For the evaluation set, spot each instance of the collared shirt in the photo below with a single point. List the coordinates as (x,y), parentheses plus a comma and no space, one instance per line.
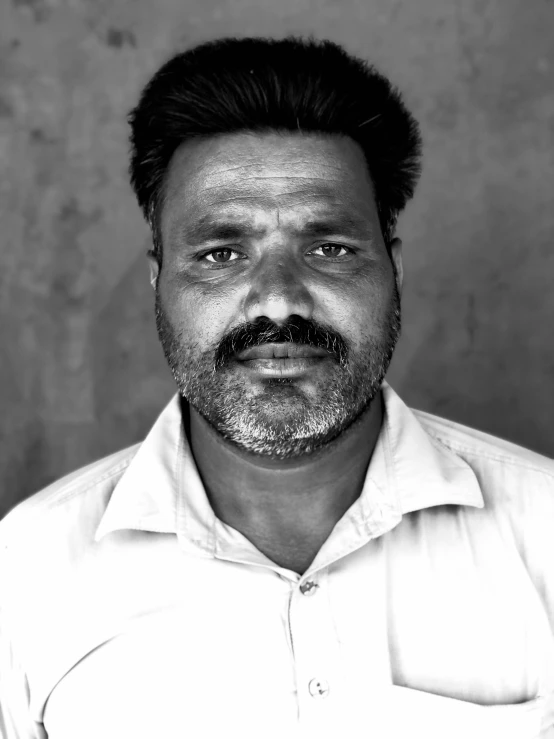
(129,611)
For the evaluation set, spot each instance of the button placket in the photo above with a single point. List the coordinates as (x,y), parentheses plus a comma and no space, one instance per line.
(316,650)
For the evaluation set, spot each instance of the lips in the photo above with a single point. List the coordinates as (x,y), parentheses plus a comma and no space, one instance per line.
(281,351)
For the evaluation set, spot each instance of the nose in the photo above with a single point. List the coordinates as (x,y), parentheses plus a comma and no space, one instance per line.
(277,291)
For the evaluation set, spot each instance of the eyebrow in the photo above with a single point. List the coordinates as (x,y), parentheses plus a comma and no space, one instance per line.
(209,228)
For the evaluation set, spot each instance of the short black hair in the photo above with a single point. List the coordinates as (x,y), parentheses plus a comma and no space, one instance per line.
(261,84)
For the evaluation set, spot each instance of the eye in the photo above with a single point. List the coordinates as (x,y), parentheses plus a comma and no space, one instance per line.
(332,256)
(217,253)
(222,255)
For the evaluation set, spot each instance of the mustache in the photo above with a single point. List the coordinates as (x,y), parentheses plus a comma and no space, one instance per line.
(296,330)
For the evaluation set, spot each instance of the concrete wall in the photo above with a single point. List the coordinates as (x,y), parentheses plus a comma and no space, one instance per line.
(81,371)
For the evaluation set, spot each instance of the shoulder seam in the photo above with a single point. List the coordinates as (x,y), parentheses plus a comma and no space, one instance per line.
(70,493)
(454,447)
(73,487)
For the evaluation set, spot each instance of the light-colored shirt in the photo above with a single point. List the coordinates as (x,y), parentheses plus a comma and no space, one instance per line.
(129,611)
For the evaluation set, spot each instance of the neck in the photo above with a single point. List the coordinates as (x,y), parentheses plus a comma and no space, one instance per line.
(286,508)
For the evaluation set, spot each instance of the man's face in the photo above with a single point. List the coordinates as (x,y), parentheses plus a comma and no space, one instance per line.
(275,238)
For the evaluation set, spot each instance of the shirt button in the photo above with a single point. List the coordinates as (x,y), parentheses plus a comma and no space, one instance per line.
(318,688)
(309,587)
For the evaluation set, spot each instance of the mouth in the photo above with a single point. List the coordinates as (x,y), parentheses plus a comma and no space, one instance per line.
(284,366)
(285,350)
(282,359)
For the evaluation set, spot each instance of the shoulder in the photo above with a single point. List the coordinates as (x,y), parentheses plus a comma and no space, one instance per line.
(516,483)
(74,504)
(518,489)
(485,450)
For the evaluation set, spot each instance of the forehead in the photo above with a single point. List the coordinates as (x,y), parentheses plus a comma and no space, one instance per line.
(256,174)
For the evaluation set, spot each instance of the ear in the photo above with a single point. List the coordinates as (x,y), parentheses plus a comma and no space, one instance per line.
(396,256)
(154,268)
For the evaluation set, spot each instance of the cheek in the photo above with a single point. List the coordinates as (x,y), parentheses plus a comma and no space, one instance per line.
(199,313)
(360,309)
(375,292)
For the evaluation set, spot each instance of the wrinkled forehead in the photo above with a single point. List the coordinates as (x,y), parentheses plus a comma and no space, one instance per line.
(268,172)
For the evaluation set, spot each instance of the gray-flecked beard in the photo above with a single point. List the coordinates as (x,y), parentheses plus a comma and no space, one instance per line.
(280,420)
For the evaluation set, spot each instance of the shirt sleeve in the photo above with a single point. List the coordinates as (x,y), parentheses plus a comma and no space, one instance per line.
(534,524)
(16,721)
(15,718)
(536,534)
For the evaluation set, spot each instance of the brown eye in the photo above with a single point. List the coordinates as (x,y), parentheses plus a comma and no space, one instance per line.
(218,255)
(332,250)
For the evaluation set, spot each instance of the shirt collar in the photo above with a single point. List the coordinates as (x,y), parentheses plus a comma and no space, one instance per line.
(415,466)
(161,489)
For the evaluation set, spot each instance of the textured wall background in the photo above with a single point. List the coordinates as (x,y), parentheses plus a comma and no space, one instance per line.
(81,371)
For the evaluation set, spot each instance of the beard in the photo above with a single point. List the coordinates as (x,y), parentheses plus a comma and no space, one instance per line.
(278,418)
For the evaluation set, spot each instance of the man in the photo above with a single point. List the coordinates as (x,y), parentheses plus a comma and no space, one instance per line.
(291,552)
